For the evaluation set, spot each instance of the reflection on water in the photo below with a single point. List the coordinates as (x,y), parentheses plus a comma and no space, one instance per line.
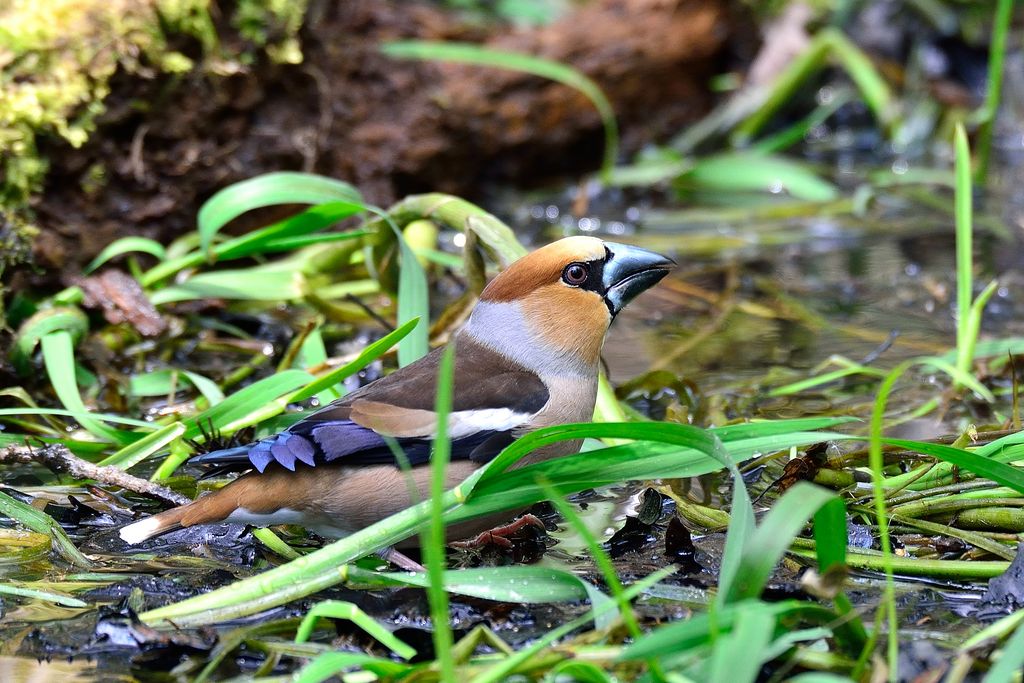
(798,304)
(21,670)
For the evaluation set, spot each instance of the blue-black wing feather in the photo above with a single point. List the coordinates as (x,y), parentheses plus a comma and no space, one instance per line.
(343,441)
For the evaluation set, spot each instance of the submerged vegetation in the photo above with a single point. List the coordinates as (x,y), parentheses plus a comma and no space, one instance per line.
(778,519)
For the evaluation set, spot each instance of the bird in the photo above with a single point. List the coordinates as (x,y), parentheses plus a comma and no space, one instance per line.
(529,356)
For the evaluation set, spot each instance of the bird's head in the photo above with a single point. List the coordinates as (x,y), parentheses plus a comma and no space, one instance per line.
(560,299)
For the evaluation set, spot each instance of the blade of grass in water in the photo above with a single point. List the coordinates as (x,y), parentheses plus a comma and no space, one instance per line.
(964,254)
(1011,661)
(262,283)
(523,584)
(827,43)
(468,53)
(48,596)
(337,609)
(371,353)
(328,665)
(42,523)
(877,463)
(79,415)
(749,171)
(502,670)
(244,402)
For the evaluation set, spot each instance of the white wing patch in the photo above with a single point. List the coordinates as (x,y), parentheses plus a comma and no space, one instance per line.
(467,422)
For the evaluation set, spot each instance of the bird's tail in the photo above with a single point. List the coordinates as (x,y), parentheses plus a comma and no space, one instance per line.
(162,523)
(245,492)
(226,459)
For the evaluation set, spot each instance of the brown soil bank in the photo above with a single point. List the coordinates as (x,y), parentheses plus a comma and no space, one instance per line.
(389,127)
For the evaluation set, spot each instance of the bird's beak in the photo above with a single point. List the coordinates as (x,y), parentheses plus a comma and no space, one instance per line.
(629,271)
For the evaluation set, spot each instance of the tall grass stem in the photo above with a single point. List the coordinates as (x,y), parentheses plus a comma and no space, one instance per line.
(964,248)
(994,87)
(433,539)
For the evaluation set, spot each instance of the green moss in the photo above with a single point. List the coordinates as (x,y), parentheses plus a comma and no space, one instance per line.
(15,240)
(57,58)
(273,24)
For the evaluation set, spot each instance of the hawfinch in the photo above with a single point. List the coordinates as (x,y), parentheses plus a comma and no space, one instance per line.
(528,357)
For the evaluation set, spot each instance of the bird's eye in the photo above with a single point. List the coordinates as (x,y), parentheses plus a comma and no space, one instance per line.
(575,274)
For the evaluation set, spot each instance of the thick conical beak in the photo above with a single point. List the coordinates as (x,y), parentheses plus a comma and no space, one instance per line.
(629,271)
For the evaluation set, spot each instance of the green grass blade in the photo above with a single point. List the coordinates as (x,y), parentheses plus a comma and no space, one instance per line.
(771,428)
(747,171)
(413,304)
(246,402)
(601,560)
(876,462)
(313,353)
(328,665)
(337,609)
(267,190)
(468,53)
(993,90)
(965,379)
(826,43)
(640,460)
(433,539)
(273,542)
(772,538)
(1005,475)
(1011,661)
(48,596)
(79,415)
(738,655)
(964,254)
(502,670)
(127,245)
(134,453)
(830,534)
(974,321)
(67,318)
(262,283)
(369,354)
(516,583)
(263,240)
(300,241)
(59,358)
(161,382)
(700,629)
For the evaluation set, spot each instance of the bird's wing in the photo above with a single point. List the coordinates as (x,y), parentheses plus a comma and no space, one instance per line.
(491,398)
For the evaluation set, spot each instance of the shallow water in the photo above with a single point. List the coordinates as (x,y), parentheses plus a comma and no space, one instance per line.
(752,307)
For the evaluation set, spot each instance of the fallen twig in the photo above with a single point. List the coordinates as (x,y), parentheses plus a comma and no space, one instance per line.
(60,460)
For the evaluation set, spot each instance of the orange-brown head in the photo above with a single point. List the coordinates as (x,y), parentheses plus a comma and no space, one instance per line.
(554,305)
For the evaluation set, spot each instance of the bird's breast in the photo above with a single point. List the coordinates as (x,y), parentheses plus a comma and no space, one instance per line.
(571,400)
